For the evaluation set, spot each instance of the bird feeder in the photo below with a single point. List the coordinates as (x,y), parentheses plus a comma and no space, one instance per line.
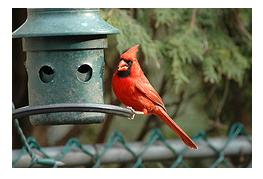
(65,61)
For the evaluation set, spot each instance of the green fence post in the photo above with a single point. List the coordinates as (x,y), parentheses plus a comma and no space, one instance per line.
(65,61)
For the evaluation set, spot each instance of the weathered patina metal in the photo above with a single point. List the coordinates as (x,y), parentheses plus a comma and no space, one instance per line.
(65,61)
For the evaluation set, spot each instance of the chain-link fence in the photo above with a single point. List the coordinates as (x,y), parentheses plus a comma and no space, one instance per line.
(235,150)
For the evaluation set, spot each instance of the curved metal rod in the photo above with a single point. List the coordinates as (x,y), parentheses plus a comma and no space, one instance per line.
(72,107)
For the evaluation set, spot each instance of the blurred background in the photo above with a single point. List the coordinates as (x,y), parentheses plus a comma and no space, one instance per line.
(199,60)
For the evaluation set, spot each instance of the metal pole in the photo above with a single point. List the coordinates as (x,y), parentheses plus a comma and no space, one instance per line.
(156,152)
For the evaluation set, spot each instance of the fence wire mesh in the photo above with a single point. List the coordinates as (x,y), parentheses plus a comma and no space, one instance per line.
(33,155)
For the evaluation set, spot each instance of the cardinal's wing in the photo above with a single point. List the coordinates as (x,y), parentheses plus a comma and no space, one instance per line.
(144,86)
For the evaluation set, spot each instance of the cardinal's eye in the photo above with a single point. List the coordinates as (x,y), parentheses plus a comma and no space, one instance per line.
(129,62)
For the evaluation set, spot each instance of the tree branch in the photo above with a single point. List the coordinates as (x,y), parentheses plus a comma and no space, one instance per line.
(240,24)
(222,102)
(181,99)
(193,19)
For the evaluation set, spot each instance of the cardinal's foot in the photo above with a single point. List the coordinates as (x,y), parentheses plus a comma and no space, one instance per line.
(134,112)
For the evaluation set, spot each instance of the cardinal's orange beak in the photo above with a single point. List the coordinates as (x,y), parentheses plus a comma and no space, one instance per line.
(123,66)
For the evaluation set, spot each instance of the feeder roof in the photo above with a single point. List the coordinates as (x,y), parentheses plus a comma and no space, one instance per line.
(63,22)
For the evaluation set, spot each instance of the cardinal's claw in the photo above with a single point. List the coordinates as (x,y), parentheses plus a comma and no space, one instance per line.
(134,112)
(132,117)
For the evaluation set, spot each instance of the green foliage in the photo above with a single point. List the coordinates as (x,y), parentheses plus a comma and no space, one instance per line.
(131,33)
(209,69)
(166,16)
(184,48)
(228,59)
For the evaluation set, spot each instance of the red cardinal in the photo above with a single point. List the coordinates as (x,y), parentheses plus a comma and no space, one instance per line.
(134,90)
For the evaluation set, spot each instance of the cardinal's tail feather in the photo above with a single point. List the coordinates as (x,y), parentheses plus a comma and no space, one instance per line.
(185,138)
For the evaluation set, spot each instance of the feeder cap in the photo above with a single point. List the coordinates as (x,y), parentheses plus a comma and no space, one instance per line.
(63,22)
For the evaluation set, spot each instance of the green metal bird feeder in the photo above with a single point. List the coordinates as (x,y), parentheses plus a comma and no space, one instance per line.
(65,61)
